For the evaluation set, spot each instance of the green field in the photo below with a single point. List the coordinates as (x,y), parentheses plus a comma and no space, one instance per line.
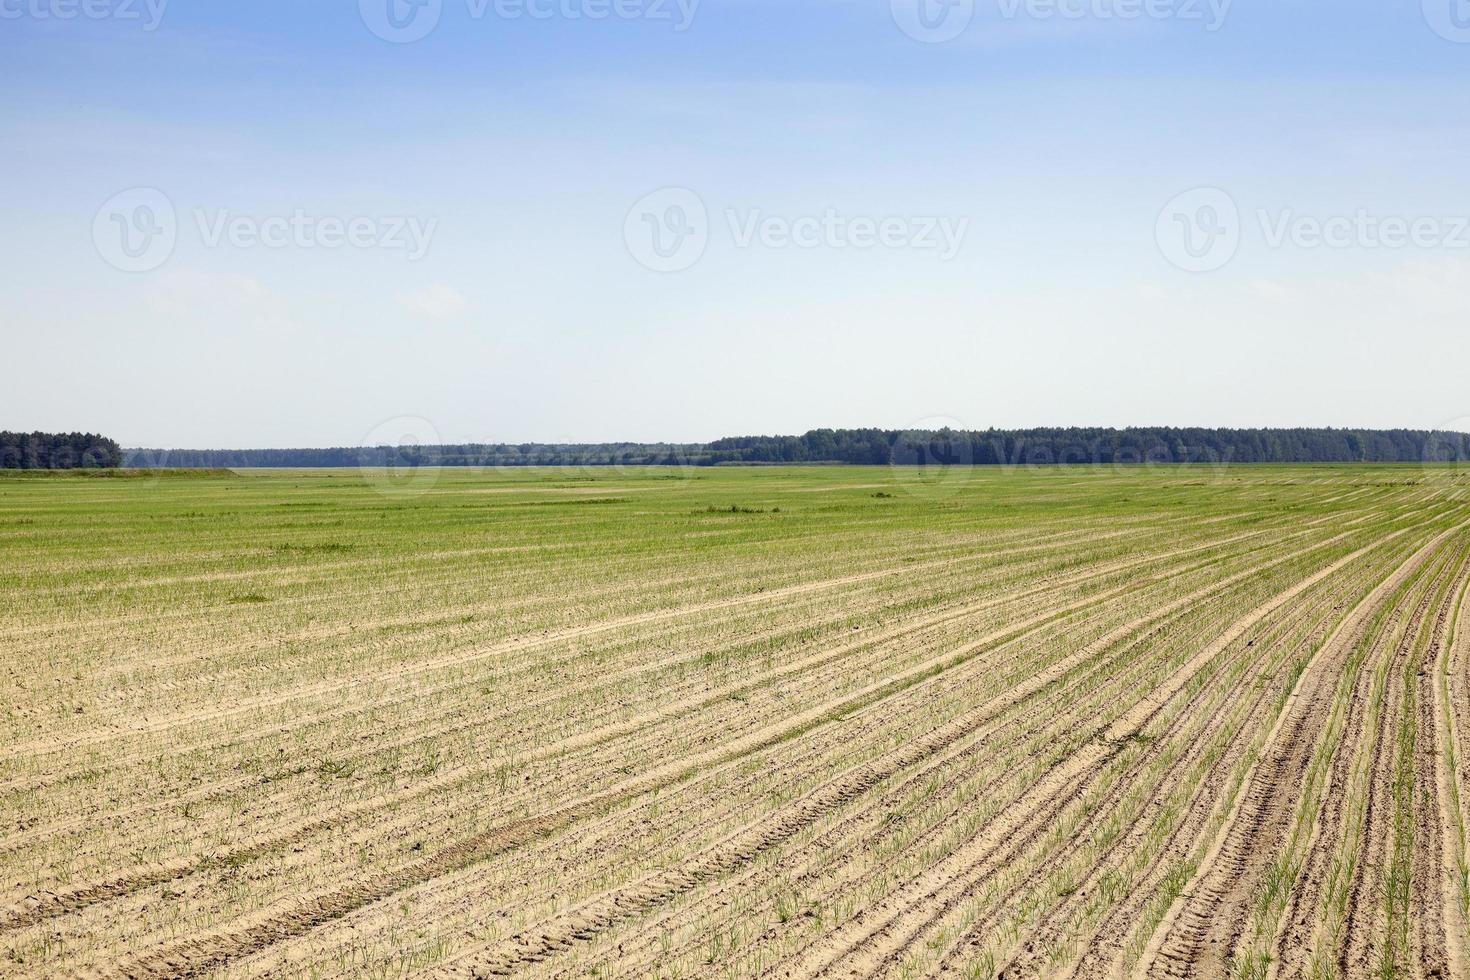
(735,722)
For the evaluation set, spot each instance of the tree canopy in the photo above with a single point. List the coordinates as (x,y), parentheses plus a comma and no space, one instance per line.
(57,451)
(990,447)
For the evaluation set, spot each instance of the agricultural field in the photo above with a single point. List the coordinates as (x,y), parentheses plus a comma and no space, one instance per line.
(784,722)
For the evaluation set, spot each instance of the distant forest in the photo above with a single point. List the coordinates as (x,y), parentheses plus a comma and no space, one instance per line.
(882,446)
(57,451)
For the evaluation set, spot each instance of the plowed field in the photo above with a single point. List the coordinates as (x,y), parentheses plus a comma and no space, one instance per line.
(835,722)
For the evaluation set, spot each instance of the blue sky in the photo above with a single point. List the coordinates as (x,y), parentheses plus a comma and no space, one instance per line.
(501,170)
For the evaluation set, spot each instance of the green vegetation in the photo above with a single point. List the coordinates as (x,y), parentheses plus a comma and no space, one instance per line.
(53,451)
(1089,721)
(877,447)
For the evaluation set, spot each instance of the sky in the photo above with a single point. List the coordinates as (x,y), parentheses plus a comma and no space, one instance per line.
(291,223)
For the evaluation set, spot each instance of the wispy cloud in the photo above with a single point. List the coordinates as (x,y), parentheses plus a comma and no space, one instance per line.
(184,293)
(438,302)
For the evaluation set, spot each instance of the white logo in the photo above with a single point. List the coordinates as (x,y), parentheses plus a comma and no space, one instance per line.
(401,21)
(933,21)
(934,458)
(944,236)
(1199,231)
(300,229)
(401,457)
(122,10)
(136,230)
(668,230)
(1450,19)
(1447,455)
(148,465)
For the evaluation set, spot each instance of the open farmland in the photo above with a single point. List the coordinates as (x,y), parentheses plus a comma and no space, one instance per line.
(737,722)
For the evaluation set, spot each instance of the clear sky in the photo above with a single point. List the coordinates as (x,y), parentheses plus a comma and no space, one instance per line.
(288,222)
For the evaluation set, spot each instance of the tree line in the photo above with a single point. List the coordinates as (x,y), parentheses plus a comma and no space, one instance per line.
(943,447)
(58,451)
(1043,446)
(524,454)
